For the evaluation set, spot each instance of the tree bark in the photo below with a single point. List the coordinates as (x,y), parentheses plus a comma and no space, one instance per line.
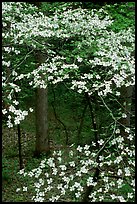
(42,139)
(41,108)
(125,100)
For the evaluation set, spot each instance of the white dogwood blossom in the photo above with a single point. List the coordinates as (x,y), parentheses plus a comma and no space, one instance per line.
(102,63)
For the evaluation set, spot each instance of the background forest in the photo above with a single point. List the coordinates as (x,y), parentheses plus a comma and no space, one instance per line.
(68,102)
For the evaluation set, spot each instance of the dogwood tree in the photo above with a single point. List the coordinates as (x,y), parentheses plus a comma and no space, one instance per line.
(100,65)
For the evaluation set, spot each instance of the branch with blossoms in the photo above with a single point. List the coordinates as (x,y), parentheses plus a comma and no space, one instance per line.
(100,62)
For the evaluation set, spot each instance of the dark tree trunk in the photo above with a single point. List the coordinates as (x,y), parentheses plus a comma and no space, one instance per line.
(20,147)
(126,101)
(42,139)
(89,189)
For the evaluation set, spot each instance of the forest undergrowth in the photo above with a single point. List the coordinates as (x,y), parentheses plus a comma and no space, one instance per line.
(59,130)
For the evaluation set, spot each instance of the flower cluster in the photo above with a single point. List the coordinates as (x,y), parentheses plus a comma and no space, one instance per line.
(113,50)
(68,177)
(109,64)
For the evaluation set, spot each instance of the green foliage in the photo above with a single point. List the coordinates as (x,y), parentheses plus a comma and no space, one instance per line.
(68,105)
(123,14)
(8,170)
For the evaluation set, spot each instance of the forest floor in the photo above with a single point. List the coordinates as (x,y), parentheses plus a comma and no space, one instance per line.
(10,162)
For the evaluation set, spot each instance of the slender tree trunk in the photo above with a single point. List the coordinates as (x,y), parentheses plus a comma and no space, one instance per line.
(20,149)
(126,101)
(42,139)
(89,189)
(93,118)
(79,139)
(19,139)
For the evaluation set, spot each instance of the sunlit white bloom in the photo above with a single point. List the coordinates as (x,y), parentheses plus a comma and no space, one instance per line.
(54,198)
(79,90)
(60,186)
(119,182)
(79,148)
(49,181)
(93,144)
(97,76)
(46,174)
(49,188)
(37,185)
(71,153)
(120,139)
(50,78)
(130,195)
(66,179)
(72,188)
(4,111)
(121,199)
(127,129)
(133,182)
(101,142)
(38,172)
(76,184)
(38,199)
(72,163)
(50,162)
(78,194)
(99,190)
(127,171)
(63,191)
(124,115)
(62,173)
(78,173)
(113,196)
(101,198)
(21,171)
(31,109)
(90,181)
(101,158)
(71,176)
(93,154)
(112,183)
(18,189)
(130,137)
(80,188)
(15,102)
(105,179)
(86,147)
(12,108)
(63,167)
(119,172)
(41,181)
(118,160)
(59,159)
(59,153)
(87,153)
(117,131)
(55,171)
(25,188)
(92,195)
(79,59)
(84,169)
(117,93)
